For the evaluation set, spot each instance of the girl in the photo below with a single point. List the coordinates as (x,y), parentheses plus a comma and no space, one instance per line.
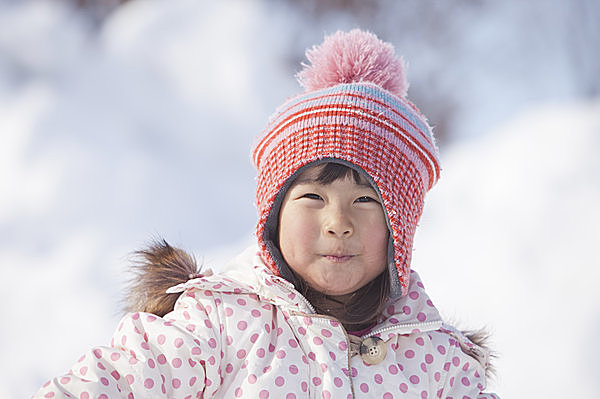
(326,305)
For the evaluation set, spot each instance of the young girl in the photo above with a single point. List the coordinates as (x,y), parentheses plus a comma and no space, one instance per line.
(326,305)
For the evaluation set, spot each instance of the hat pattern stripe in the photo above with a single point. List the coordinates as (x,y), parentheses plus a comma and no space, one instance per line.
(334,116)
(388,103)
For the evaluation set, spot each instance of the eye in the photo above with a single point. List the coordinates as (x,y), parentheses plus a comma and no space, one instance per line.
(311,196)
(365,198)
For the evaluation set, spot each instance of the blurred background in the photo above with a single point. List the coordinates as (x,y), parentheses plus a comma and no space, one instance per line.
(124,121)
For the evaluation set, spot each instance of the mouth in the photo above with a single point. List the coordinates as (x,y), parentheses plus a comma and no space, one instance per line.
(338,258)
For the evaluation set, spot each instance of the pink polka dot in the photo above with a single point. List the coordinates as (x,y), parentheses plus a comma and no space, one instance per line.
(65,380)
(177,362)
(228,312)
(242,325)
(161,339)
(254,338)
(307,321)
(103,396)
(378,379)
(409,354)
(129,379)
(420,341)
(465,381)
(178,342)
(49,395)
(290,396)
(196,350)
(279,381)
(337,381)
(424,367)
(403,388)
(252,378)
(207,323)
(326,394)
(115,374)
(176,383)
(437,376)
(301,331)
(161,359)
(255,312)
(413,295)
(241,302)
(238,392)
(148,383)
(151,363)
(212,343)
(326,333)
(456,361)
(84,395)
(271,348)
(342,345)
(318,341)
(241,354)
(316,381)
(260,352)
(280,354)
(192,381)
(312,356)
(441,349)
(293,369)
(424,395)
(388,395)
(414,379)
(421,316)
(429,358)
(293,343)
(264,394)
(406,310)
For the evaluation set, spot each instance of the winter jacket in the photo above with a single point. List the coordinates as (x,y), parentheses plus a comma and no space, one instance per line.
(248,333)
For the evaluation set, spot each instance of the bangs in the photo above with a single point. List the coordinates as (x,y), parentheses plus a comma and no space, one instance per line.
(331,172)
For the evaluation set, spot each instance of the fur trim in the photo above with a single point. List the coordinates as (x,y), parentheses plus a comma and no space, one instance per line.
(155,269)
(482,338)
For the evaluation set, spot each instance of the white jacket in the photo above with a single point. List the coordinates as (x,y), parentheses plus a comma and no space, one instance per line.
(248,333)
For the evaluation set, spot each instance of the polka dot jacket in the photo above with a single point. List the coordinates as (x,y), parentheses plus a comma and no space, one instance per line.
(247,333)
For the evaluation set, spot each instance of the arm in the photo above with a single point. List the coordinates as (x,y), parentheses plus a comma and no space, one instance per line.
(465,367)
(149,356)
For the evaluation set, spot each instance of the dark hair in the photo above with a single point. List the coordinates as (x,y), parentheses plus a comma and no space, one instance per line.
(362,307)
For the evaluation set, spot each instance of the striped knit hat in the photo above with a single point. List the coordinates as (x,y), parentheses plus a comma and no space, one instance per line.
(354,111)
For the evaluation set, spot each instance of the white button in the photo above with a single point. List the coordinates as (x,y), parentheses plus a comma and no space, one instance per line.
(372,350)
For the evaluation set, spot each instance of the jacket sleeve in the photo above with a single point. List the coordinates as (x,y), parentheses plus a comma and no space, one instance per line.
(150,357)
(465,366)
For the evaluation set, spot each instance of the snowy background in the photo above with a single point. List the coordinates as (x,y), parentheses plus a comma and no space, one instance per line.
(122,124)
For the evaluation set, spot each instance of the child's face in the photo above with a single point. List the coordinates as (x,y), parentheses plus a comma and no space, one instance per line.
(334,236)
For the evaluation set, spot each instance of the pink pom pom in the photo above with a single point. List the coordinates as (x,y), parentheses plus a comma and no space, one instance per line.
(351,57)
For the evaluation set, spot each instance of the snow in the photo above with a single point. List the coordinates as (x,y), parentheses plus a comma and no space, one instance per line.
(143,128)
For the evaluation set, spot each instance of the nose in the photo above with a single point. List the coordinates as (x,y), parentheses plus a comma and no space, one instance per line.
(337,223)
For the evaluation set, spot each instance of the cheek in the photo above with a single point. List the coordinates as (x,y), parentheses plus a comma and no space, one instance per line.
(296,232)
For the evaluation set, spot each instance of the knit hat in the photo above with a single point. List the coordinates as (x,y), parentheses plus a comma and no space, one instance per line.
(353,111)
